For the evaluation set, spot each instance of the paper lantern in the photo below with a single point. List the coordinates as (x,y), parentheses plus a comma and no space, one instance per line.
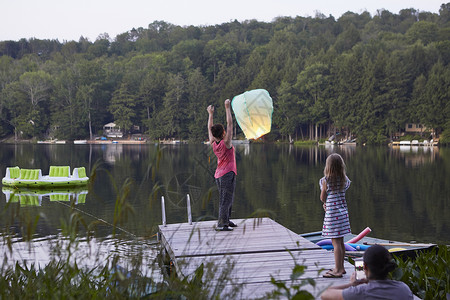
(253,111)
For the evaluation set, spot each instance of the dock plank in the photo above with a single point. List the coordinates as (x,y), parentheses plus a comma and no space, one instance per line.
(249,236)
(249,256)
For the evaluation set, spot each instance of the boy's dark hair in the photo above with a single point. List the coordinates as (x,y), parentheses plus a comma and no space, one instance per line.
(379,262)
(217,131)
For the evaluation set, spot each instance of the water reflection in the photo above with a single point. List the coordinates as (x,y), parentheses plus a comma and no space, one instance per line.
(415,156)
(397,203)
(88,253)
(112,152)
(243,149)
(33,197)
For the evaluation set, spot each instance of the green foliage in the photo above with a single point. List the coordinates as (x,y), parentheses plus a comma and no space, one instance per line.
(122,107)
(445,137)
(363,76)
(305,142)
(295,288)
(427,274)
(409,137)
(59,279)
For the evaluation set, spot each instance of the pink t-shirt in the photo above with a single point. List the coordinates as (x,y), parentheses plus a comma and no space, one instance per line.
(226,160)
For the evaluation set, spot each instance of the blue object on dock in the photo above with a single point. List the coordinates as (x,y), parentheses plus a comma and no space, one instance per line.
(359,247)
(347,247)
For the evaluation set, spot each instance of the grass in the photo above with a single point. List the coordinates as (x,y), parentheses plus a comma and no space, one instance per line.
(305,142)
(79,266)
(427,275)
(294,289)
(413,137)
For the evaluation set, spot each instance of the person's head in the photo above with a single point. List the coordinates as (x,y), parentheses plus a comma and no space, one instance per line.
(218,131)
(378,262)
(335,169)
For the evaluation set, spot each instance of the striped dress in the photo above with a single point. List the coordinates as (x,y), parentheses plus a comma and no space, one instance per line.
(336,222)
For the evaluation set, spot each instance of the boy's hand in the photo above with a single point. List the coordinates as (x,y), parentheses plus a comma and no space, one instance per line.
(354,281)
(227,103)
(210,109)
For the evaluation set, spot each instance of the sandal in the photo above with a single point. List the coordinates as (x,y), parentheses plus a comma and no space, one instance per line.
(331,270)
(331,275)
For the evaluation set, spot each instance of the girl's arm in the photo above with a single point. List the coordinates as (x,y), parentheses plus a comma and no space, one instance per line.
(323,192)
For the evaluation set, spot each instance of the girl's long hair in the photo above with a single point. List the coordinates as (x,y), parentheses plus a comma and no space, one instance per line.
(334,171)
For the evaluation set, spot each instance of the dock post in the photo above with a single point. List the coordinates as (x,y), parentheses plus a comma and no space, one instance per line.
(163,207)
(188,199)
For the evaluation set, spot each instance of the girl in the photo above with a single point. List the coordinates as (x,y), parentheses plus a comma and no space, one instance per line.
(335,223)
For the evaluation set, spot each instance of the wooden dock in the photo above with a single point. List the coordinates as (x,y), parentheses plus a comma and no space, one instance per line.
(247,257)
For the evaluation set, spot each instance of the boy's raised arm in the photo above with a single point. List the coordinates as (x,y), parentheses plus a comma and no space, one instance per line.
(210,110)
(229,134)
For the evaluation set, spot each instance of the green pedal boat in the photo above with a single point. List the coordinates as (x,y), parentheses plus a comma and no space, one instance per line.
(59,176)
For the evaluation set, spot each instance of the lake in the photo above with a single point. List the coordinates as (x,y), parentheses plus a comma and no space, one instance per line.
(401,194)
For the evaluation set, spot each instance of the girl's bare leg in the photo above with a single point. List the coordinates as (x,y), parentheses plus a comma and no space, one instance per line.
(339,252)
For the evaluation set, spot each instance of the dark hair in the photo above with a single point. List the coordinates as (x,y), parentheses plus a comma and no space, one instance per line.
(379,262)
(217,131)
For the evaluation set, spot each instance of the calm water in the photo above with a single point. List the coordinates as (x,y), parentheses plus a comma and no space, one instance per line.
(401,194)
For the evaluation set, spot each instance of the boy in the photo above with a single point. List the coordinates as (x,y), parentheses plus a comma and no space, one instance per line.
(225,175)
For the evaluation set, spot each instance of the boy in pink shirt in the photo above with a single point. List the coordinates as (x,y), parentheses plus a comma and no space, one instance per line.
(225,176)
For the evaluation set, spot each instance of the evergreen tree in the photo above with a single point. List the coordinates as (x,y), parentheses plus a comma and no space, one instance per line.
(122,108)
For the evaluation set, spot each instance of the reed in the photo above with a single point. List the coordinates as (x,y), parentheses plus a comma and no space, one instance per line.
(427,274)
(83,267)
(296,287)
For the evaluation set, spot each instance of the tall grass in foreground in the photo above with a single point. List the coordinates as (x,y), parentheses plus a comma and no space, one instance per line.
(74,264)
(295,288)
(77,265)
(428,274)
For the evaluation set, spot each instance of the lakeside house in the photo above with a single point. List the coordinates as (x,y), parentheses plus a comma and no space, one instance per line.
(111,130)
(413,128)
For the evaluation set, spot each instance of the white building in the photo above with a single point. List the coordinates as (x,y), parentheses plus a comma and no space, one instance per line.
(112,130)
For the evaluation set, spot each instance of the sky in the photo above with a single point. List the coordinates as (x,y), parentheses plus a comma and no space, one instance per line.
(68,20)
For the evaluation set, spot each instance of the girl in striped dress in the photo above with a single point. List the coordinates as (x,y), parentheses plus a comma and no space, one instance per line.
(335,223)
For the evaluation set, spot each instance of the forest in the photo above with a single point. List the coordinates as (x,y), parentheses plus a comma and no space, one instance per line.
(361,76)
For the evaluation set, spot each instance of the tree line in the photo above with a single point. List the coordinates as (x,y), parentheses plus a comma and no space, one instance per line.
(360,75)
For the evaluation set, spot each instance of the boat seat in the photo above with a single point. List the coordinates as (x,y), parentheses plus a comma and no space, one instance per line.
(79,172)
(30,174)
(81,198)
(12,173)
(60,197)
(59,171)
(13,198)
(30,200)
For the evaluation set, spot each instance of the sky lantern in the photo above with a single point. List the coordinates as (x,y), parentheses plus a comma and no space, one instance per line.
(253,111)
